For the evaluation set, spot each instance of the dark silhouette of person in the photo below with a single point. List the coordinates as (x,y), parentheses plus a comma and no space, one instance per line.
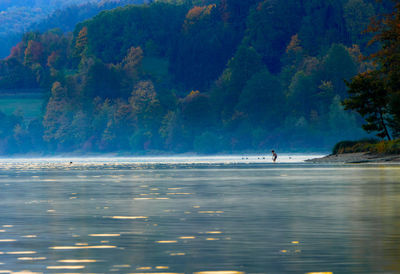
(274,156)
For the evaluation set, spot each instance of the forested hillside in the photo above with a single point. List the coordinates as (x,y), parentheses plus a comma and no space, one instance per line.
(19,16)
(203,76)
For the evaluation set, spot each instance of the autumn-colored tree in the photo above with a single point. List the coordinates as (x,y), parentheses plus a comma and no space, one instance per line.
(81,41)
(379,87)
(33,53)
(56,120)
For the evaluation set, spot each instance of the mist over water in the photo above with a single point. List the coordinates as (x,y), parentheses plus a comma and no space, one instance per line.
(192,214)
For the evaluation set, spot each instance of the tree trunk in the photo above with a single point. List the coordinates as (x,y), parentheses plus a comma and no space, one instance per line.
(384,126)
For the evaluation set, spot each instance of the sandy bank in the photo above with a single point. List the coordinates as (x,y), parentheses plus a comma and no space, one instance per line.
(361,157)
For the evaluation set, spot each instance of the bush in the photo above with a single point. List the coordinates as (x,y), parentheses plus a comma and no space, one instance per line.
(365,145)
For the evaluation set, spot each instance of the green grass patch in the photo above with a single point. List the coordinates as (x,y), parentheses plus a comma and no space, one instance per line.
(29,107)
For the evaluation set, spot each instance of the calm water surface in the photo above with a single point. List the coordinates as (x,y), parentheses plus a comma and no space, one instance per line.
(186,215)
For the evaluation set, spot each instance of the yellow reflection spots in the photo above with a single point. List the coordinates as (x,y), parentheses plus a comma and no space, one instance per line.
(26,272)
(31,258)
(104,242)
(72,198)
(129,217)
(51,210)
(82,247)
(66,267)
(297,251)
(7,240)
(196,206)
(187,237)
(219,272)
(166,242)
(178,254)
(76,261)
(29,236)
(122,266)
(21,252)
(156,273)
(2,230)
(284,251)
(49,180)
(8,226)
(154,189)
(144,268)
(319,273)
(210,212)
(80,244)
(295,242)
(5,271)
(214,232)
(104,235)
(162,267)
(212,239)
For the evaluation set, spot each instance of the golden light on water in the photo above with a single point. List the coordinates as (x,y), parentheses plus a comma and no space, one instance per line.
(32,258)
(319,273)
(187,237)
(166,242)
(162,267)
(156,273)
(219,272)
(7,240)
(144,268)
(82,247)
(104,235)
(66,267)
(21,252)
(129,217)
(122,266)
(213,232)
(29,236)
(76,261)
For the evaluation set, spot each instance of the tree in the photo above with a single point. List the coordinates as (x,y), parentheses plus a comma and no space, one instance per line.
(376,94)
(369,97)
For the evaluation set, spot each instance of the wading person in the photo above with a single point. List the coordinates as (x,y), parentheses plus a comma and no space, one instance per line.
(274,156)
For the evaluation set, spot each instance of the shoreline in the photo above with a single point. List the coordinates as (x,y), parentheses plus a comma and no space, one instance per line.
(357,158)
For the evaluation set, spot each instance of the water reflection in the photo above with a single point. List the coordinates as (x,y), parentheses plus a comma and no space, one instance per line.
(122,217)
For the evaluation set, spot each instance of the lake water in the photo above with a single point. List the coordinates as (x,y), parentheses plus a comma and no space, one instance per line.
(186,215)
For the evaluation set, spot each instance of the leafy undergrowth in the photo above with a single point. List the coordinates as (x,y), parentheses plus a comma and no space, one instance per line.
(368,145)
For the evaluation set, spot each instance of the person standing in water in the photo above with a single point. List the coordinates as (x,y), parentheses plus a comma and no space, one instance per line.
(274,156)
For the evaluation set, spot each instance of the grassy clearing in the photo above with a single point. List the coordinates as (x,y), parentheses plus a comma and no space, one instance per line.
(29,107)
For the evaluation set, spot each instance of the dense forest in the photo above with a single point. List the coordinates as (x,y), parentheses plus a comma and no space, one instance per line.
(19,16)
(193,76)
